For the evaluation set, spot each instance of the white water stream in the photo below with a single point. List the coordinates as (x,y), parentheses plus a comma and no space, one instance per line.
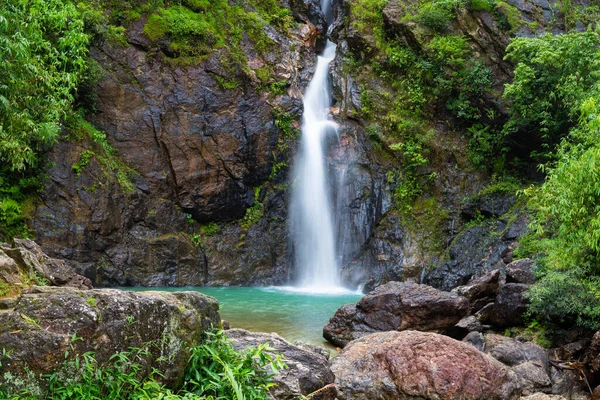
(315,252)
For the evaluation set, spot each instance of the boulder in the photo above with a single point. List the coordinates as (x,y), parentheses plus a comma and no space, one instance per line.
(49,323)
(28,257)
(512,352)
(480,291)
(593,353)
(307,371)
(509,307)
(9,270)
(464,327)
(476,340)
(313,348)
(568,383)
(520,271)
(543,396)
(396,306)
(528,360)
(420,365)
(533,378)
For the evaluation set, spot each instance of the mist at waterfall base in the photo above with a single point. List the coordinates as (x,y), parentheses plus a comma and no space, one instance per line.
(294,316)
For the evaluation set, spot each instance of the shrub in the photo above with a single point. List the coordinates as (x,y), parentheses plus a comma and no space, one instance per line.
(553,75)
(215,370)
(566,227)
(435,15)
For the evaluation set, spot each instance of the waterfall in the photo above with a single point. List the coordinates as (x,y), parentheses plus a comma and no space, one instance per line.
(312,223)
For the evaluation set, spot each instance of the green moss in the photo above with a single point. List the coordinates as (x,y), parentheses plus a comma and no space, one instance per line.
(482,5)
(209,229)
(92,301)
(84,159)
(507,16)
(253,215)
(505,185)
(111,164)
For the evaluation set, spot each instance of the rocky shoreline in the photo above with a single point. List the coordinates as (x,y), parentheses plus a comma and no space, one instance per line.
(403,340)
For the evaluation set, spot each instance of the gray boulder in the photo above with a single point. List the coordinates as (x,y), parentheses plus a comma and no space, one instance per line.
(396,306)
(520,271)
(528,360)
(509,307)
(28,258)
(307,371)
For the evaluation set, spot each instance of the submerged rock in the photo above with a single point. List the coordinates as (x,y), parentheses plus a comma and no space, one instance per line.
(49,323)
(420,365)
(396,306)
(307,371)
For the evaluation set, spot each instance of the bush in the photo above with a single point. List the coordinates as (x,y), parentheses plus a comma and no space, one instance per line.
(566,227)
(42,59)
(43,51)
(215,370)
(553,75)
(436,15)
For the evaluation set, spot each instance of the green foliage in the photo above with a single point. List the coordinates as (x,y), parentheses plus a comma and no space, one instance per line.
(553,75)
(111,164)
(482,5)
(12,222)
(285,122)
(215,370)
(566,226)
(84,160)
(449,49)
(507,16)
(504,184)
(253,215)
(197,28)
(435,15)
(42,59)
(43,51)
(209,229)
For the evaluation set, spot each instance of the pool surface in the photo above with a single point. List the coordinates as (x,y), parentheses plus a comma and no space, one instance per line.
(293,314)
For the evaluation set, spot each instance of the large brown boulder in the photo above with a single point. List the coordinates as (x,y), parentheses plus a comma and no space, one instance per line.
(47,323)
(307,371)
(420,365)
(37,265)
(396,306)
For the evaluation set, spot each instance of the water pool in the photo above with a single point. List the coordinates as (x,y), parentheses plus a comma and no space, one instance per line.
(292,314)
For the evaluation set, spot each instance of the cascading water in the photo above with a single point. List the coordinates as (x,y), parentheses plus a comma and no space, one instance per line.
(312,223)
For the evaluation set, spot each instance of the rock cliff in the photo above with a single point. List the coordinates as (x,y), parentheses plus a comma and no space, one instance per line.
(207,149)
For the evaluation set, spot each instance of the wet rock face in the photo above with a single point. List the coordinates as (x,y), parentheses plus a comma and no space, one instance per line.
(420,365)
(40,328)
(307,371)
(396,306)
(199,150)
(476,251)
